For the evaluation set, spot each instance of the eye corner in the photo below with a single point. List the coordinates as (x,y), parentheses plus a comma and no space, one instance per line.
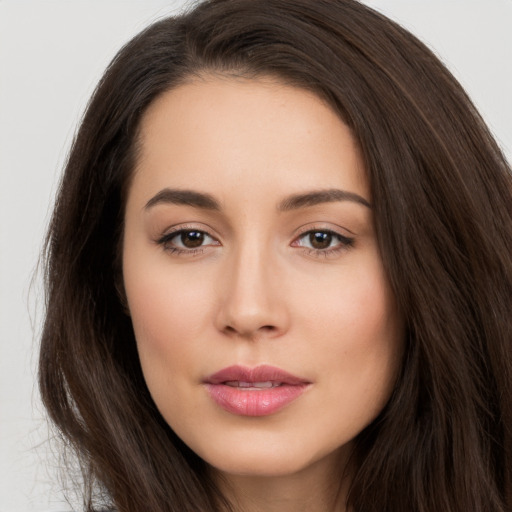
(318,242)
(186,240)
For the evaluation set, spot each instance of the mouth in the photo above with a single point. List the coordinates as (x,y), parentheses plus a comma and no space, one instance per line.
(258,391)
(252,385)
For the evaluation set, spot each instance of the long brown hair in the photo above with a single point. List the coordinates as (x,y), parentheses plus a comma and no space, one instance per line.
(442,199)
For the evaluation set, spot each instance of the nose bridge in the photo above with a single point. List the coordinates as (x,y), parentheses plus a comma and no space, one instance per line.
(251,265)
(251,303)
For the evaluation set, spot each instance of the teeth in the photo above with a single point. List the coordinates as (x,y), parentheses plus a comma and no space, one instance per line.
(259,385)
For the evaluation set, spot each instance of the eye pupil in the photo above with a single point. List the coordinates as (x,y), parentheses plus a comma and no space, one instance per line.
(191,239)
(320,240)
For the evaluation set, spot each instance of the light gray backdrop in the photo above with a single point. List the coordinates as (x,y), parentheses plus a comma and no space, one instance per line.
(52,52)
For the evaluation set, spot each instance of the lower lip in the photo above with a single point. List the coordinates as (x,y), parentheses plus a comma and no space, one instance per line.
(254,402)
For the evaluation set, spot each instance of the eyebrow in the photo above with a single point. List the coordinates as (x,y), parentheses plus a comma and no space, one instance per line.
(294,202)
(316,197)
(184,197)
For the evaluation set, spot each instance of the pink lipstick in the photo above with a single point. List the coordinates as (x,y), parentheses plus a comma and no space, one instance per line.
(258,391)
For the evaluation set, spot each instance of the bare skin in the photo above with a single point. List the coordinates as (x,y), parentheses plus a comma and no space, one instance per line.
(316,489)
(249,241)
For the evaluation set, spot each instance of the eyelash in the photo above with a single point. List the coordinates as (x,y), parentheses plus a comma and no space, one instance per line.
(166,239)
(345,242)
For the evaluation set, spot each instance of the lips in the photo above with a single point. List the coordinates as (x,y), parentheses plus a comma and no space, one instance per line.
(258,391)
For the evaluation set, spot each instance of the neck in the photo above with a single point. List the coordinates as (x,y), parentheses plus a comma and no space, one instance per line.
(317,488)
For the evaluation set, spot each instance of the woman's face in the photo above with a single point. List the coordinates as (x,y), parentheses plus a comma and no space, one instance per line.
(266,328)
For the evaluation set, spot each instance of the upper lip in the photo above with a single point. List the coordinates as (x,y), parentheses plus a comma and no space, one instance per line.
(262,373)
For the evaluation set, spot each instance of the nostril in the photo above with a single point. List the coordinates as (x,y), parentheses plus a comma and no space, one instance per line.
(230,330)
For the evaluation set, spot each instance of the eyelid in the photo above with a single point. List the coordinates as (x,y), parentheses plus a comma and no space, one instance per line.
(189,226)
(174,231)
(345,242)
(345,239)
(321,226)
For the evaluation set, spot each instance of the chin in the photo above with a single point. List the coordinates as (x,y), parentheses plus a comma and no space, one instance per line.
(261,467)
(268,460)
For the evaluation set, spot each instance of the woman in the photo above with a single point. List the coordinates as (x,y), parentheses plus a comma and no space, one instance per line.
(279,272)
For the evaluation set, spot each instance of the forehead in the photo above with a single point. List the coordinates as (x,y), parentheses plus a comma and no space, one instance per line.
(227,135)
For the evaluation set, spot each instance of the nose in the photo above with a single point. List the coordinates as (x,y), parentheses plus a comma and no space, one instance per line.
(252,301)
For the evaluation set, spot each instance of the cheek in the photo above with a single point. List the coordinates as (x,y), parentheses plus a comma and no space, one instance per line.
(168,314)
(358,334)
(356,309)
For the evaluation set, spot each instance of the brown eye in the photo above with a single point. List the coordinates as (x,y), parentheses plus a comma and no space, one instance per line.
(320,239)
(192,239)
(186,240)
(323,241)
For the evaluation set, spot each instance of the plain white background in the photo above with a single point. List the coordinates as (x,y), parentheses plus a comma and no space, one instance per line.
(52,53)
